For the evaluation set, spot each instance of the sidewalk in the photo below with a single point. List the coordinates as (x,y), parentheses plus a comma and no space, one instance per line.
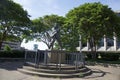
(8,71)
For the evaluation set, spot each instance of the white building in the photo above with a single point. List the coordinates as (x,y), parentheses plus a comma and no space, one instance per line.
(12,45)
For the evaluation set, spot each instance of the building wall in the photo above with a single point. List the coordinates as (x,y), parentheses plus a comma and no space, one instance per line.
(13,45)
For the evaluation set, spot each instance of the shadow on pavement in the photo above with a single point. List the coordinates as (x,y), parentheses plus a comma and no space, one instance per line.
(97,73)
(11,65)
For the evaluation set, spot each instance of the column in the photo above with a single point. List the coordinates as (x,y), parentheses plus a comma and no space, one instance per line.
(96,47)
(115,42)
(36,57)
(45,57)
(76,63)
(88,45)
(105,43)
(26,54)
(80,44)
(59,61)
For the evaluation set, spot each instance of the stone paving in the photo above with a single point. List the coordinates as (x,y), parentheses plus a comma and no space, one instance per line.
(8,71)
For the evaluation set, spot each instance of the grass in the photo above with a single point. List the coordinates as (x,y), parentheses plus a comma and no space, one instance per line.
(81,75)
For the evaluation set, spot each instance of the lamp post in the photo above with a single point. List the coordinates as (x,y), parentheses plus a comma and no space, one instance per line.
(36,54)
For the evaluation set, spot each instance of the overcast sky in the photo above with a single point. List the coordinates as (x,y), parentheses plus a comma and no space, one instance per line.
(39,8)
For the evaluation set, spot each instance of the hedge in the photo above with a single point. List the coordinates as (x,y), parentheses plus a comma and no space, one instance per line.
(104,56)
(110,56)
(12,54)
(89,55)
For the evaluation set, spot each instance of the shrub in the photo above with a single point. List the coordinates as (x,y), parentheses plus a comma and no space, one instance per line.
(7,48)
(90,55)
(110,56)
(103,56)
(12,54)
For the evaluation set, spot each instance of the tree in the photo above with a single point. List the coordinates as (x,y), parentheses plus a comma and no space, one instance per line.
(43,28)
(93,20)
(69,36)
(14,21)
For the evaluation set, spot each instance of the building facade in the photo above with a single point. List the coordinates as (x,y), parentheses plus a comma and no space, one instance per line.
(12,45)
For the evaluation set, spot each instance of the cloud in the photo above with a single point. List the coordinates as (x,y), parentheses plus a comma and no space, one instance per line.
(24,3)
(38,8)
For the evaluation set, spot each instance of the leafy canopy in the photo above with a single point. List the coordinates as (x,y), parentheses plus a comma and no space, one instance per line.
(42,28)
(14,21)
(92,21)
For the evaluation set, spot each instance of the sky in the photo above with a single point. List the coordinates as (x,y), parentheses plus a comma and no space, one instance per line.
(39,8)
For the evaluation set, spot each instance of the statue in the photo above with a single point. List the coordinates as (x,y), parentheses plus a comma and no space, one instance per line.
(56,36)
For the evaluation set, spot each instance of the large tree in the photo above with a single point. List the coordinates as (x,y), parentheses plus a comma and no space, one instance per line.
(69,36)
(43,28)
(92,21)
(14,21)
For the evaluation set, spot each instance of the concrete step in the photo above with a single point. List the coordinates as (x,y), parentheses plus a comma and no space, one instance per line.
(53,67)
(57,71)
(81,74)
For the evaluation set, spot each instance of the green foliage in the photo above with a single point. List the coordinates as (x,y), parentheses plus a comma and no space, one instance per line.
(46,23)
(7,48)
(110,56)
(42,27)
(88,55)
(92,21)
(38,25)
(81,75)
(103,56)
(14,21)
(70,37)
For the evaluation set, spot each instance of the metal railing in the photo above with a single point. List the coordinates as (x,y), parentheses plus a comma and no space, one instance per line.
(55,58)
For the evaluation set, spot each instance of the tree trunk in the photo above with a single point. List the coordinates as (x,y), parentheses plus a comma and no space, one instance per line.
(0,45)
(94,51)
(92,47)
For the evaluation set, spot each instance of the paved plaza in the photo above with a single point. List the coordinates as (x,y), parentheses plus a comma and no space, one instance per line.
(8,71)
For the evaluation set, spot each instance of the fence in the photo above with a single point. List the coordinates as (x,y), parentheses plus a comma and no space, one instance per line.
(55,58)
